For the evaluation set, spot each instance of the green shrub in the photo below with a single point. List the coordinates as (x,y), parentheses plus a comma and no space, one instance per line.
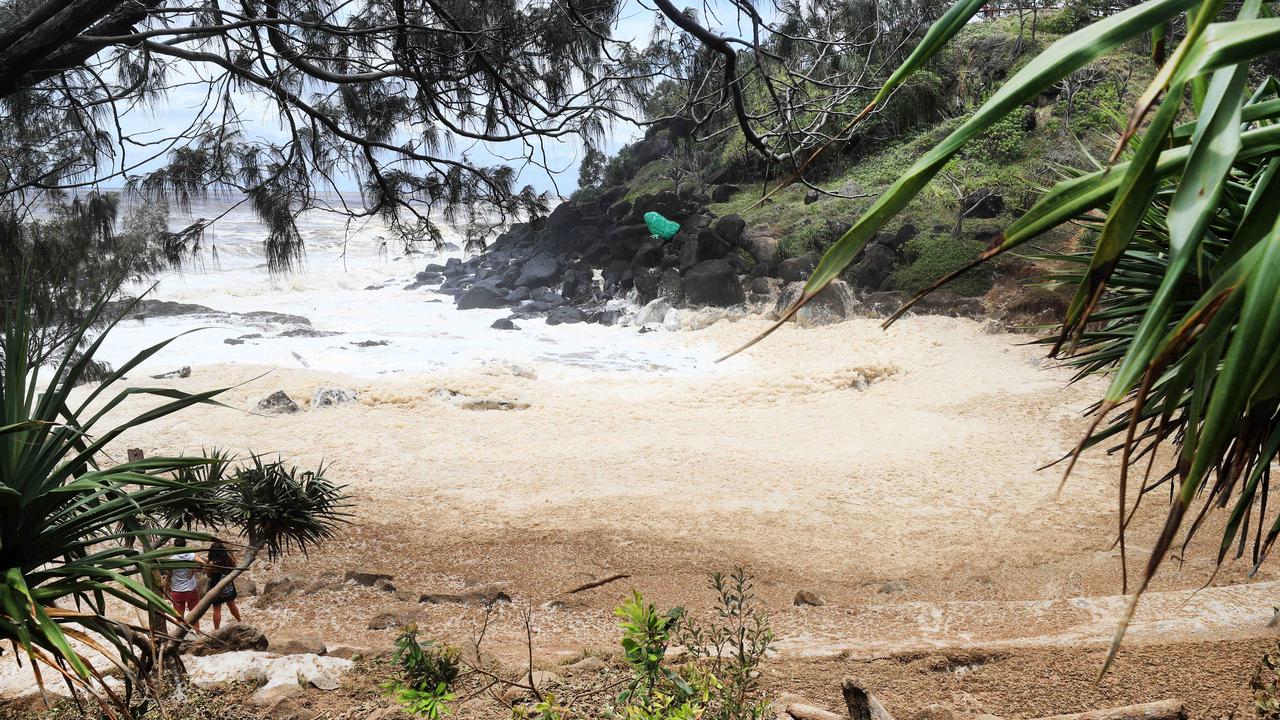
(426,673)
(936,255)
(731,647)
(803,239)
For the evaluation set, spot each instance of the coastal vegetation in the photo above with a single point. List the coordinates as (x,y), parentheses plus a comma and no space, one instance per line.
(839,158)
(83,533)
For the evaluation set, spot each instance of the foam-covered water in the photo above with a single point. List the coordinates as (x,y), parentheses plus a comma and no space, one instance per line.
(351,288)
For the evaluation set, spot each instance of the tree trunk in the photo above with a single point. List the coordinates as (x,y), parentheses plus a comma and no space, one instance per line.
(861,703)
(206,602)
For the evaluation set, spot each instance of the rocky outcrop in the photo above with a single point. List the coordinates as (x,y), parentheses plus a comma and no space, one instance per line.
(836,303)
(595,261)
(332,397)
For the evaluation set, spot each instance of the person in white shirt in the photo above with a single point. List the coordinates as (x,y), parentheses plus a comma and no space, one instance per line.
(183,590)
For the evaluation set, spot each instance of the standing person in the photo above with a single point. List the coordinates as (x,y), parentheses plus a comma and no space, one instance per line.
(182,582)
(221,562)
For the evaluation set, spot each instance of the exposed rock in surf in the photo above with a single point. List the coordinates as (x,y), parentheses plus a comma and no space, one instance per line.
(713,282)
(332,397)
(836,303)
(371,343)
(182,372)
(565,315)
(278,402)
(504,324)
(307,332)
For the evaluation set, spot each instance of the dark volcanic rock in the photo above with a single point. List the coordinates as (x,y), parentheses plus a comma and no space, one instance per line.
(566,315)
(872,272)
(542,269)
(649,255)
(278,402)
(480,296)
(578,282)
(836,303)
(712,282)
(646,281)
(504,324)
(983,203)
(712,246)
(731,227)
(619,210)
(798,268)
(721,193)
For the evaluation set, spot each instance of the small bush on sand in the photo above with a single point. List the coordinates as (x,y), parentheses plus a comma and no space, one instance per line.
(426,672)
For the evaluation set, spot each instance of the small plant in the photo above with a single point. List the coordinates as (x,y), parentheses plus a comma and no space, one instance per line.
(656,692)
(731,647)
(1266,686)
(427,672)
(545,708)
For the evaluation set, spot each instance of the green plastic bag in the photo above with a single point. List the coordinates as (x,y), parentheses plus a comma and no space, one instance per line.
(660,226)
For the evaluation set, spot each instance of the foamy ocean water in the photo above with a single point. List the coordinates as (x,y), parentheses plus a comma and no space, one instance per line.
(360,331)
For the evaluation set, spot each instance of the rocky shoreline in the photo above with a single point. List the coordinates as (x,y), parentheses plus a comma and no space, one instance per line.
(597,262)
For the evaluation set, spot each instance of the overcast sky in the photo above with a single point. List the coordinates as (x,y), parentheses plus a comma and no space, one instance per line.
(635,25)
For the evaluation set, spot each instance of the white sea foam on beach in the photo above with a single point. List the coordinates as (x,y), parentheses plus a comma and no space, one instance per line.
(402,330)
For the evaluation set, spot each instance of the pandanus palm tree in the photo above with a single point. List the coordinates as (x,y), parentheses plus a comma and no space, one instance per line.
(78,529)
(1179,300)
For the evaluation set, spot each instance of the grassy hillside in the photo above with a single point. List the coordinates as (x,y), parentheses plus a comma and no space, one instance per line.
(1062,130)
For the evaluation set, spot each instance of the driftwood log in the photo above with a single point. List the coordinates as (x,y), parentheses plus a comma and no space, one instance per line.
(1158,710)
(801,711)
(861,703)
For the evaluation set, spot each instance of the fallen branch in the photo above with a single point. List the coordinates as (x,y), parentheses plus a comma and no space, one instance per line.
(1158,710)
(598,583)
(801,711)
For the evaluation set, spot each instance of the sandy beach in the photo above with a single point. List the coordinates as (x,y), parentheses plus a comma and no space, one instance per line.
(874,468)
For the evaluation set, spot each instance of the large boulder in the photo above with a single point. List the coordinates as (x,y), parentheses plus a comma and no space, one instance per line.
(722,193)
(731,227)
(873,270)
(760,244)
(983,203)
(836,303)
(797,269)
(646,282)
(653,312)
(481,297)
(649,255)
(332,397)
(712,282)
(566,315)
(627,239)
(712,246)
(228,638)
(541,269)
(578,281)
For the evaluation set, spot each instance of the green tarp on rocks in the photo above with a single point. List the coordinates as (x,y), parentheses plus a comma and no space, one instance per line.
(660,226)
